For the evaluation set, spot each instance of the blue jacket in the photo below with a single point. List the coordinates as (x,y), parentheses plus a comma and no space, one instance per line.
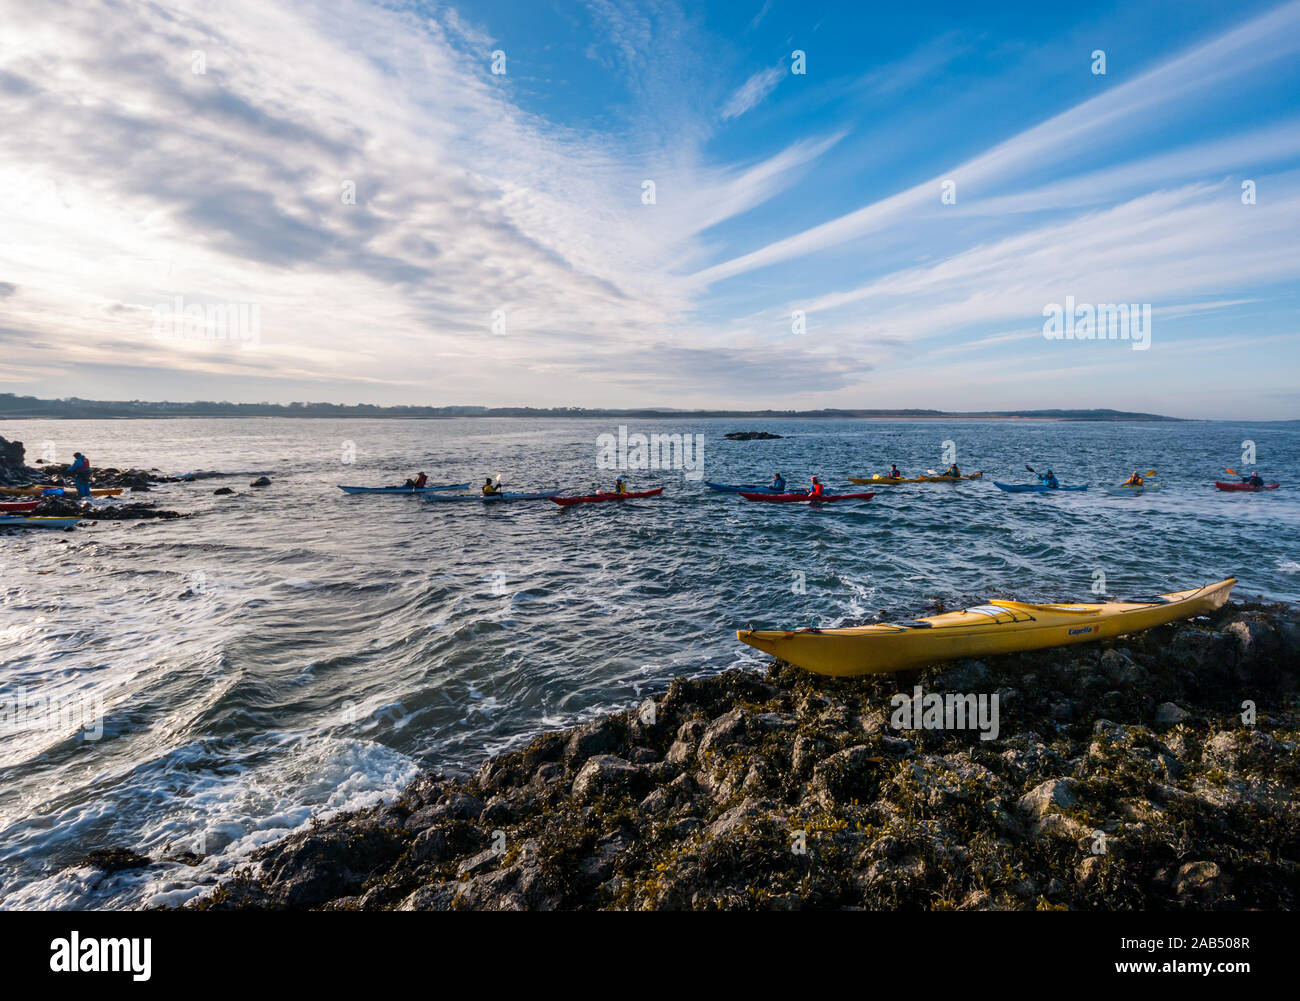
(80,469)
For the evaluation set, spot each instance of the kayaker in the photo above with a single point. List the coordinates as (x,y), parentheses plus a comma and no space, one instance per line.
(490,488)
(816,490)
(778,483)
(1253,480)
(80,472)
(952,470)
(620,486)
(1049,480)
(893,473)
(1135,480)
(417,483)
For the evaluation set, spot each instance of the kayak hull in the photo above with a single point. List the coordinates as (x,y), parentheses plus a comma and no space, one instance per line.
(598,498)
(18,507)
(18,521)
(1121,490)
(41,491)
(729,488)
(996,628)
(949,479)
(805,498)
(1246,487)
(1034,488)
(403,490)
(492,498)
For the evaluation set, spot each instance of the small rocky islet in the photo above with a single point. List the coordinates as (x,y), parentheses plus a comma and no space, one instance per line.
(1125,775)
(14,472)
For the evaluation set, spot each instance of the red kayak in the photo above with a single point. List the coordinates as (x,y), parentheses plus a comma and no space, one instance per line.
(597,498)
(18,507)
(796,498)
(1246,486)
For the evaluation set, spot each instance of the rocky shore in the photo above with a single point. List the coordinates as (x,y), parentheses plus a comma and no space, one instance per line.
(1158,771)
(14,471)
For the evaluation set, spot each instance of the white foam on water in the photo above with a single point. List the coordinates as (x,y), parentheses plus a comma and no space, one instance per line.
(220,803)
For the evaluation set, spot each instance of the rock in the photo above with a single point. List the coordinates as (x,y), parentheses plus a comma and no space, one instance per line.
(606,774)
(723,732)
(1203,883)
(965,676)
(261,481)
(222,491)
(688,739)
(751,436)
(459,806)
(483,860)
(430,845)
(736,818)
(846,775)
(114,859)
(603,736)
(1054,793)
(1167,714)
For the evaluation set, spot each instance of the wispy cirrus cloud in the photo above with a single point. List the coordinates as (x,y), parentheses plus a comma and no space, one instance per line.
(753,91)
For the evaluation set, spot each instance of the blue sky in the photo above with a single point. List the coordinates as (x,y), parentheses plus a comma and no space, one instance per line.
(500,247)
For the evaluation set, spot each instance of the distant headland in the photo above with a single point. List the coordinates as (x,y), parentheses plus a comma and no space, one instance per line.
(19,407)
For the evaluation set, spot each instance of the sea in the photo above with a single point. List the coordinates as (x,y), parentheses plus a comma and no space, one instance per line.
(209,684)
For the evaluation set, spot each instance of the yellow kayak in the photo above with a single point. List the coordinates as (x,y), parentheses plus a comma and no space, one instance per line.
(66,491)
(998,627)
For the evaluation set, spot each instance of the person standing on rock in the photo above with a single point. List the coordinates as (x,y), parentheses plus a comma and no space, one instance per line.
(80,472)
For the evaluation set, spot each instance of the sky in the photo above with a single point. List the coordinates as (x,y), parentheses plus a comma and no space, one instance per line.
(759,204)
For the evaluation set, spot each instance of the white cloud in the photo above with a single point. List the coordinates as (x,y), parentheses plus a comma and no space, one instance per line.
(752,91)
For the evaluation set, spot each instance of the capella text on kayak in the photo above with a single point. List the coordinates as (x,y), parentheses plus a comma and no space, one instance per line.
(655,451)
(1107,321)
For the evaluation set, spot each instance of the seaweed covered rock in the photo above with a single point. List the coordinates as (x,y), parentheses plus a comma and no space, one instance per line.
(1158,771)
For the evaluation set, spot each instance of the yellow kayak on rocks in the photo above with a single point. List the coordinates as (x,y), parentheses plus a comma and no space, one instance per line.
(998,627)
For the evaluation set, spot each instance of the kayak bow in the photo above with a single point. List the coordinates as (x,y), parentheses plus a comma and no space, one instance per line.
(17,521)
(998,627)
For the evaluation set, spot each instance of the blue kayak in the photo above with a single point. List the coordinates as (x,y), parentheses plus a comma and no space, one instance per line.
(745,488)
(1033,488)
(503,496)
(403,490)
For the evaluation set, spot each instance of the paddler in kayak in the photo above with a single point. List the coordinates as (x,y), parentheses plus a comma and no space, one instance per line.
(893,473)
(620,486)
(816,490)
(80,472)
(1049,480)
(1253,480)
(490,489)
(417,483)
(1135,480)
(778,483)
(952,470)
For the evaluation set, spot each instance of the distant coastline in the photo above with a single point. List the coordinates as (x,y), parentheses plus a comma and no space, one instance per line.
(30,407)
